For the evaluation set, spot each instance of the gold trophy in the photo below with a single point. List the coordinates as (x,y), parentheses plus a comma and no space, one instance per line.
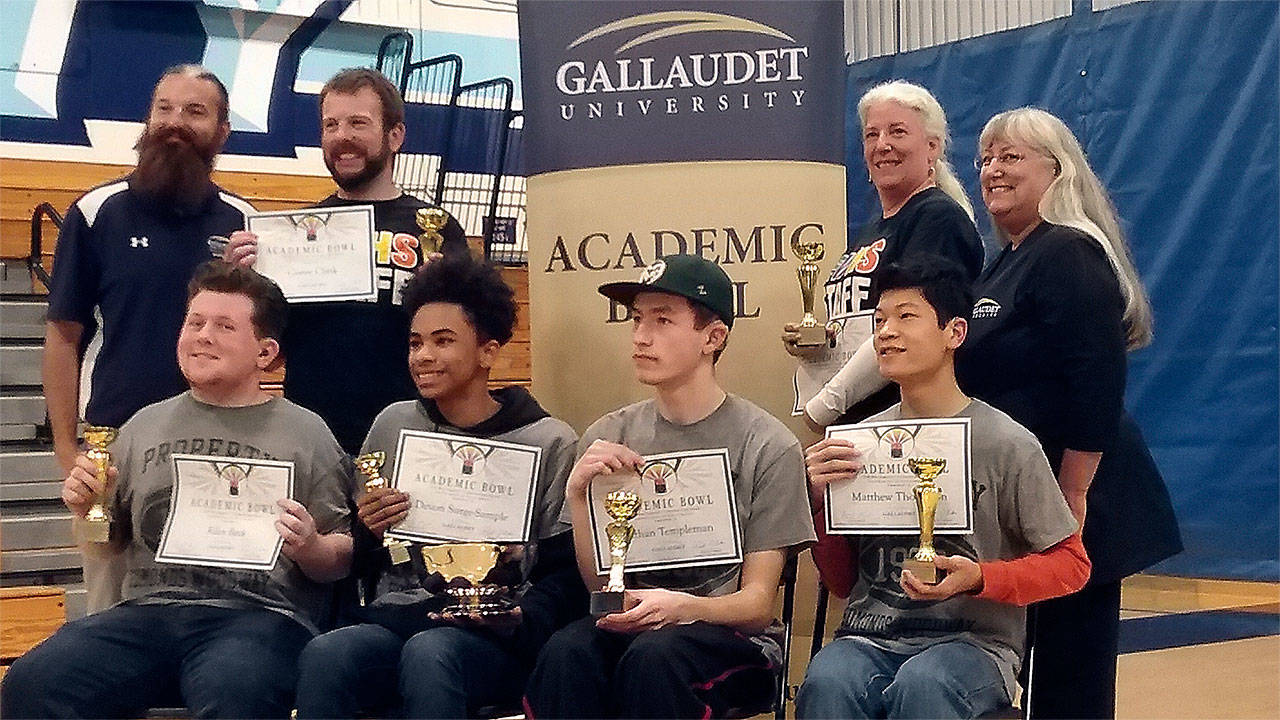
(927,496)
(811,333)
(97,522)
(472,563)
(622,506)
(371,465)
(431,220)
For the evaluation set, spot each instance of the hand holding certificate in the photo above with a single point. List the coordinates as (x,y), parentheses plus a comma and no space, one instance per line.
(223,512)
(881,499)
(687,513)
(318,255)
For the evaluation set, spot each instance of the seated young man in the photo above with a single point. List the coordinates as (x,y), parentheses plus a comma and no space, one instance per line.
(692,642)
(406,656)
(222,641)
(906,649)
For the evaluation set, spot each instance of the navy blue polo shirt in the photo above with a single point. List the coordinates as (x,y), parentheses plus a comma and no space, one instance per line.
(123,263)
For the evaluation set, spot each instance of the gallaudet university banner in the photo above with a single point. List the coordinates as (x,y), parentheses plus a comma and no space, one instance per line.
(713,128)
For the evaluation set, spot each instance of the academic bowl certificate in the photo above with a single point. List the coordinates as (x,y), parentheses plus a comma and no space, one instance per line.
(880,500)
(318,254)
(688,514)
(464,489)
(222,512)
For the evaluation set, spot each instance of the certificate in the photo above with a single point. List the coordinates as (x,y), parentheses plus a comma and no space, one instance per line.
(222,512)
(464,489)
(880,499)
(318,254)
(688,513)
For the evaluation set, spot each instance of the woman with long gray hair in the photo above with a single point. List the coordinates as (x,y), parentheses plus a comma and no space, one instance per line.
(924,209)
(1056,312)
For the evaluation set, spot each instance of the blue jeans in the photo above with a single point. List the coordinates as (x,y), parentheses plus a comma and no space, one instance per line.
(851,679)
(219,662)
(443,672)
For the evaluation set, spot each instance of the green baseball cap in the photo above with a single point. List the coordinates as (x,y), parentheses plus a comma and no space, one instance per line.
(688,276)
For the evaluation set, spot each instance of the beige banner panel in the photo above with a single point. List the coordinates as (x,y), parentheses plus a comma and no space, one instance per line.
(593,226)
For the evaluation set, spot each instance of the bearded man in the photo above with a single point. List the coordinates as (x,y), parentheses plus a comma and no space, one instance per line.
(346,360)
(124,256)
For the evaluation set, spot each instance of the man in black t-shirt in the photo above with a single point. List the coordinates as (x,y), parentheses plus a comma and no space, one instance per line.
(346,360)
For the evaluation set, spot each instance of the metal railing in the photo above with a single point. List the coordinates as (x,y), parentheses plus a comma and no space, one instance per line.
(461,150)
(35,258)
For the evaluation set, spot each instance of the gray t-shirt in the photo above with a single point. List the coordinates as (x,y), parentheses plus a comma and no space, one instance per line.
(274,430)
(767,466)
(1018,510)
(401,584)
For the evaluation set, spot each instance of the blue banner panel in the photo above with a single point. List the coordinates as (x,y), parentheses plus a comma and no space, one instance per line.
(1177,105)
(644,82)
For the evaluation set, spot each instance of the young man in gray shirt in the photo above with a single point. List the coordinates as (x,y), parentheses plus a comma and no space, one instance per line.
(405,657)
(906,649)
(692,642)
(220,640)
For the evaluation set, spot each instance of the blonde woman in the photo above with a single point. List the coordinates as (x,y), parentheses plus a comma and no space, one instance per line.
(1056,312)
(923,210)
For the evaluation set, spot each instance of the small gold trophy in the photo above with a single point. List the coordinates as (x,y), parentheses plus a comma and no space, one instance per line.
(371,465)
(97,525)
(622,506)
(432,220)
(927,496)
(811,333)
(471,562)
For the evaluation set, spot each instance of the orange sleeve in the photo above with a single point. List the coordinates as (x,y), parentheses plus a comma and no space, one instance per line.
(1059,570)
(833,554)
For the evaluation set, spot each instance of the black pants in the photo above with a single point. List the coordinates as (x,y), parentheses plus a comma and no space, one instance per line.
(1073,673)
(683,671)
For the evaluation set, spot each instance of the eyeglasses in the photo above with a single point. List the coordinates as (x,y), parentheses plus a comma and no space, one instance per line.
(1006,158)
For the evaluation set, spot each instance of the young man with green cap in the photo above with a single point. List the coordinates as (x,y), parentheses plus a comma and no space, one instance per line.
(692,642)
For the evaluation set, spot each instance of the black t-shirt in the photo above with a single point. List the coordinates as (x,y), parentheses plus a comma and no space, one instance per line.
(930,222)
(348,360)
(122,265)
(1046,343)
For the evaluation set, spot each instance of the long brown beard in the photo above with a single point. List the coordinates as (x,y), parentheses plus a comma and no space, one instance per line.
(173,172)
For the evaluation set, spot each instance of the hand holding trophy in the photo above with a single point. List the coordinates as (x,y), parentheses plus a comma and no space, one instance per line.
(810,333)
(927,496)
(466,566)
(97,526)
(622,506)
(371,465)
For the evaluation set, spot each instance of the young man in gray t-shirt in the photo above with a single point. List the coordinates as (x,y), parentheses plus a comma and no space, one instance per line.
(222,641)
(692,642)
(910,649)
(409,655)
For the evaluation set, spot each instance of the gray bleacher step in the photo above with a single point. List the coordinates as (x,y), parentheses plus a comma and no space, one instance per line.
(22,408)
(44,529)
(46,560)
(20,364)
(76,601)
(29,466)
(22,319)
(15,277)
(17,432)
(30,491)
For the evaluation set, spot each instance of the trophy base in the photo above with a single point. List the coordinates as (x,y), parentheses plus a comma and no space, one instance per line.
(399,551)
(811,336)
(95,531)
(604,602)
(478,600)
(925,572)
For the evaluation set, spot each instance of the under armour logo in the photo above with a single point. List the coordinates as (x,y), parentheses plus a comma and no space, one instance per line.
(136,241)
